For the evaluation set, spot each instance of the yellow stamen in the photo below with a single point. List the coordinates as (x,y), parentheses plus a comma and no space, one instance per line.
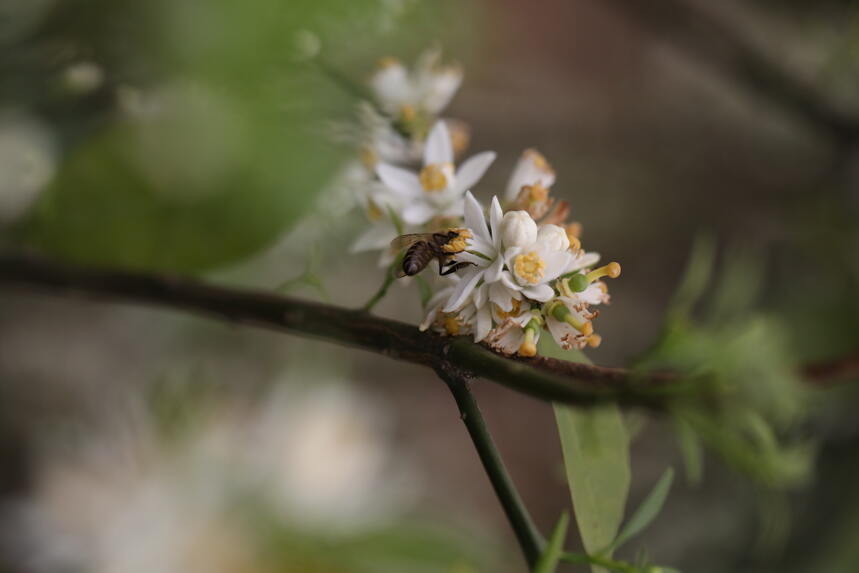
(611,270)
(514,311)
(583,326)
(408,113)
(528,348)
(374,212)
(458,244)
(433,178)
(594,340)
(460,136)
(537,193)
(388,62)
(369,158)
(539,160)
(451,324)
(529,267)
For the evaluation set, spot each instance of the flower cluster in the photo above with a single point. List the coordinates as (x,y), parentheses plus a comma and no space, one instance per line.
(510,272)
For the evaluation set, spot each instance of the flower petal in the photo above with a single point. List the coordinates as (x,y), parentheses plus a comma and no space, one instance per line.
(439,149)
(484,323)
(401,180)
(463,289)
(418,213)
(495,216)
(474,218)
(540,293)
(376,237)
(493,272)
(473,169)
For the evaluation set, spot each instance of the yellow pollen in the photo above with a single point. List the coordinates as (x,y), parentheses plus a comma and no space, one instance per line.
(528,348)
(408,113)
(574,229)
(529,267)
(539,160)
(451,324)
(611,270)
(575,243)
(432,177)
(537,193)
(459,136)
(514,311)
(369,158)
(583,326)
(388,62)
(374,212)
(458,244)
(594,340)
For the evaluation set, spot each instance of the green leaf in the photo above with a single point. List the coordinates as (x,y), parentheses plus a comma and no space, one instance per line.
(552,555)
(647,511)
(696,277)
(595,445)
(692,450)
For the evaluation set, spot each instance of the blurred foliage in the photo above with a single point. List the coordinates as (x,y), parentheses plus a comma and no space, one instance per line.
(748,402)
(206,137)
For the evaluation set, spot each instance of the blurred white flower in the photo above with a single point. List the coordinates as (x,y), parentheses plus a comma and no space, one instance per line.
(28,157)
(532,169)
(437,190)
(428,88)
(83,77)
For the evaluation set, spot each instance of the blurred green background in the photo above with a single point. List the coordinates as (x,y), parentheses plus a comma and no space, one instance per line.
(197,137)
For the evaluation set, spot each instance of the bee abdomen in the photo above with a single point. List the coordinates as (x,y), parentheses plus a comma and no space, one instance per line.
(417,258)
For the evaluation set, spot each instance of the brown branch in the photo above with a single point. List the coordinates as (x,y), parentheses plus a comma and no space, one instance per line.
(543,378)
(697,29)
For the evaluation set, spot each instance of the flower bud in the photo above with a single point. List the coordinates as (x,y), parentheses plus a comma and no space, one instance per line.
(518,229)
(553,237)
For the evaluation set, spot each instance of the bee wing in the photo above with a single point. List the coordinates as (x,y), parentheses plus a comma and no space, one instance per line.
(404,241)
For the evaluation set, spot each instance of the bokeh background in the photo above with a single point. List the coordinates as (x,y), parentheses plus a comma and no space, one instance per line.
(191,137)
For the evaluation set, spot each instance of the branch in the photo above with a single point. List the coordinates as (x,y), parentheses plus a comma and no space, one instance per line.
(544,378)
(530,541)
(697,29)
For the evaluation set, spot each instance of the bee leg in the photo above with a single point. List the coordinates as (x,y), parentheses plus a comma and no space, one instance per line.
(453,268)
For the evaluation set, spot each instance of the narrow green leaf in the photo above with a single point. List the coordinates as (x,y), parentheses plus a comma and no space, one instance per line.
(696,277)
(692,450)
(647,511)
(548,562)
(595,445)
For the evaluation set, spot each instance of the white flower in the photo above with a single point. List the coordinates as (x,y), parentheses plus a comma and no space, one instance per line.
(530,269)
(532,169)
(484,252)
(437,190)
(554,237)
(428,88)
(518,229)
(517,332)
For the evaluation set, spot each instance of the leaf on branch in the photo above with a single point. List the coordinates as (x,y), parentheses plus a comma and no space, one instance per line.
(646,512)
(595,445)
(550,558)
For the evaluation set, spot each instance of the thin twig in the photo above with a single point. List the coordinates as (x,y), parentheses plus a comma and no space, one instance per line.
(547,379)
(383,289)
(530,540)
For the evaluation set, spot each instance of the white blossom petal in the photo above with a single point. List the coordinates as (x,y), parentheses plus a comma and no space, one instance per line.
(474,218)
(473,169)
(461,291)
(400,180)
(484,323)
(495,216)
(541,293)
(376,237)
(417,213)
(493,272)
(438,149)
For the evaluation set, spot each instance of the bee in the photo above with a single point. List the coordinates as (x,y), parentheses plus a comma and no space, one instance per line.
(421,248)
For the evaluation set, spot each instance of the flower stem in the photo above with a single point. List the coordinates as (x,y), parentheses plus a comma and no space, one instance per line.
(383,289)
(530,541)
